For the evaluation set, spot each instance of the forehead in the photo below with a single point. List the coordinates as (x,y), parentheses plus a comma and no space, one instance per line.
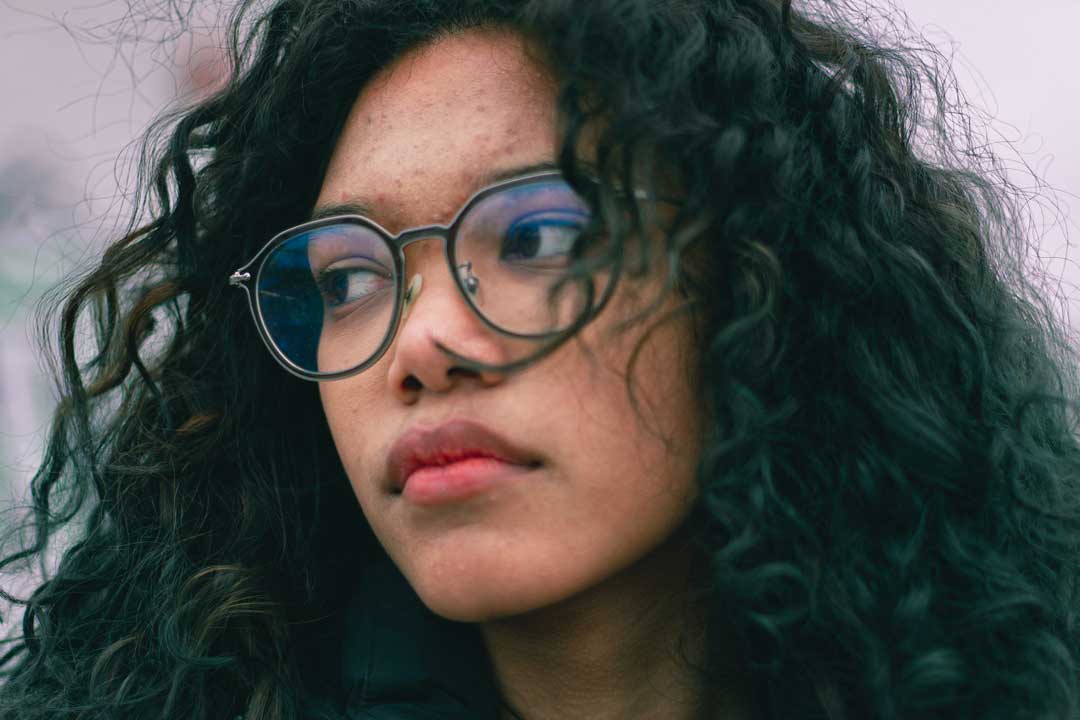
(429,125)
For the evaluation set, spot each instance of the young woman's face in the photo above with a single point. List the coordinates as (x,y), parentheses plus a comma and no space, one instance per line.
(599,488)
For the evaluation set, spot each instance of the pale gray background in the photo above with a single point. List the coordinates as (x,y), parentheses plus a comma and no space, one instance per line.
(79,79)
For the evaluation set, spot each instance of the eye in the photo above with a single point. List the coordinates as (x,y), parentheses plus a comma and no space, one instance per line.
(543,237)
(351,281)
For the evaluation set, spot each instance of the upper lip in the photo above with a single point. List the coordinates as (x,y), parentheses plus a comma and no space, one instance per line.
(447,443)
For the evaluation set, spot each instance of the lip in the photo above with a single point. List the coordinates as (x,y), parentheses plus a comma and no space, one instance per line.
(451,461)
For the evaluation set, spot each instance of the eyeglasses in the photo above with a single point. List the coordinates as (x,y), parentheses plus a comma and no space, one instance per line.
(327,296)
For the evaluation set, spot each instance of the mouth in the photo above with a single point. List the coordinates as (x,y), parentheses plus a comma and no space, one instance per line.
(452,461)
(461,479)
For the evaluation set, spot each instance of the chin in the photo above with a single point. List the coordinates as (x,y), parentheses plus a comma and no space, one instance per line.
(474,597)
(472,605)
(473,610)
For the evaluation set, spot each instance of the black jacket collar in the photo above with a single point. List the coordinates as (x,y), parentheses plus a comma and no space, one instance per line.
(400,661)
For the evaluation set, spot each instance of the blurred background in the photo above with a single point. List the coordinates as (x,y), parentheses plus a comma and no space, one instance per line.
(81,79)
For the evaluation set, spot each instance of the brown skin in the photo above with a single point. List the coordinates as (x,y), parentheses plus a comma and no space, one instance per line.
(573,574)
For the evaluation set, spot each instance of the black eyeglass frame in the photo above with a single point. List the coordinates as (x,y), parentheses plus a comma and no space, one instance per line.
(250,273)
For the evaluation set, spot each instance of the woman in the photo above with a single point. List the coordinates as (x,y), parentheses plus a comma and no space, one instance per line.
(618,359)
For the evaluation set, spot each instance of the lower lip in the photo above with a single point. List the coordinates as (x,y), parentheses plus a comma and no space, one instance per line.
(434,485)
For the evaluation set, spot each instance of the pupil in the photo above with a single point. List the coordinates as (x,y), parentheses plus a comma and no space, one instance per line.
(525,242)
(336,287)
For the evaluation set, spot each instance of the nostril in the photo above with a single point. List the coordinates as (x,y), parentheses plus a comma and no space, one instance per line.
(412,383)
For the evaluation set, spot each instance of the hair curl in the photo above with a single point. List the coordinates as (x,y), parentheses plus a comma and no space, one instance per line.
(889,500)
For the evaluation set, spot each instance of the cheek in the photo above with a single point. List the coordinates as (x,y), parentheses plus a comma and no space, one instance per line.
(335,406)
(344,344)
(654,369)
(652,401)
(349,406)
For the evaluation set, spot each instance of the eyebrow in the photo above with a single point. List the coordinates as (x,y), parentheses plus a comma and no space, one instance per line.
(362,206)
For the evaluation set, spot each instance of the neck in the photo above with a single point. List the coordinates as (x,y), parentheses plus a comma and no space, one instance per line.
(631,647)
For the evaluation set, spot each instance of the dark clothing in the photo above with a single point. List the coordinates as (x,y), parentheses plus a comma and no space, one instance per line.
(390,658)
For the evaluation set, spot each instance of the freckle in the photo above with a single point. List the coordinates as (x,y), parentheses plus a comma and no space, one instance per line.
(481,108)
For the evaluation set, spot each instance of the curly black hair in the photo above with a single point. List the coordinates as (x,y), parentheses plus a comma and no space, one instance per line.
(889,500)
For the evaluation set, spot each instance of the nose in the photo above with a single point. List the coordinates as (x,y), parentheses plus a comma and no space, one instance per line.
(437,314)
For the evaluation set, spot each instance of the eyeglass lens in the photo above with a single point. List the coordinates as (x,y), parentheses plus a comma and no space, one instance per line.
(327,295)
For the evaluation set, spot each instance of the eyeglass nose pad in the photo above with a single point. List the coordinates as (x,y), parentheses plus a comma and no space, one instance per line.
(471,281)
(413,291)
